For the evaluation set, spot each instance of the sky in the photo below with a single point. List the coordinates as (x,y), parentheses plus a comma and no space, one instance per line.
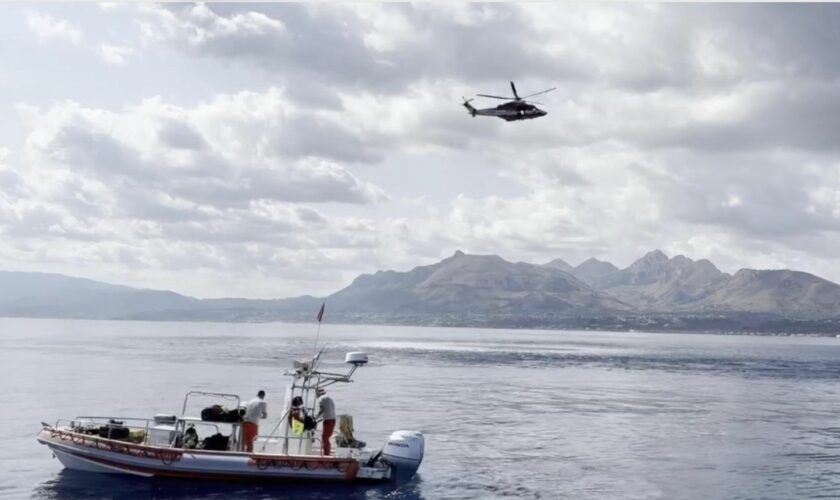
(274,150)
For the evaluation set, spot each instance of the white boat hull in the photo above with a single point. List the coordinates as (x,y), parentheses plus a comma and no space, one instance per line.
(94,454)
(74,462)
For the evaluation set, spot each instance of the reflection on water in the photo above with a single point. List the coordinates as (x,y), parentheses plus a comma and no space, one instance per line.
(73,485)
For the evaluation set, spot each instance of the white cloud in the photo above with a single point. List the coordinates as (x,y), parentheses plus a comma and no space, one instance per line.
(115,54)
(205,28)
(122,186)
(47,28)
(683,127)
(220,153)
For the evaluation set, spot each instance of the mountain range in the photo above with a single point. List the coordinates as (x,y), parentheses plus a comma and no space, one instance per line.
(655,293)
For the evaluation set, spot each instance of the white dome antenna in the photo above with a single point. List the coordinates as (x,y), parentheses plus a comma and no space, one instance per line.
(356,358)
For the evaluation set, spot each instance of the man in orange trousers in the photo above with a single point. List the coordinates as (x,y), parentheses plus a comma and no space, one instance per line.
(255,410)
(326,412)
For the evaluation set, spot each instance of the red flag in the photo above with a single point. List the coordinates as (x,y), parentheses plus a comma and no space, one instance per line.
(321,312)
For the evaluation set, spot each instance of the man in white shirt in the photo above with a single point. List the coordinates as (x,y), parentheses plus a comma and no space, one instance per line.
(254,411)
(326,412)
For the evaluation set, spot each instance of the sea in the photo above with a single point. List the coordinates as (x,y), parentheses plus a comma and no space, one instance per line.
(505,413)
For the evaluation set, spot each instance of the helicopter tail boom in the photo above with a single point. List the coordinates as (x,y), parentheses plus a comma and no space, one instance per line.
(469,106)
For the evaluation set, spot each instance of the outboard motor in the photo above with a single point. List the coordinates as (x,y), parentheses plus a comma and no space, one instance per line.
(404,452)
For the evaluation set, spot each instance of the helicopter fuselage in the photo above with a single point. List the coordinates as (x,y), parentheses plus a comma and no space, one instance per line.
(509,111)
(517,108)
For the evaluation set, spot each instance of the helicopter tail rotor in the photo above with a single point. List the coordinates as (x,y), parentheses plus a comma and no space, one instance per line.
(469,106)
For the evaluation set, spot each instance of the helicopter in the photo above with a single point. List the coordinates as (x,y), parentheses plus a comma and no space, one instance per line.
(516,109)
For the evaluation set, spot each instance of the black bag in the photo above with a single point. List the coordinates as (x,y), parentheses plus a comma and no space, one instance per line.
(213,413)
(113,431)
(309,423)
(216,442)
(233,416)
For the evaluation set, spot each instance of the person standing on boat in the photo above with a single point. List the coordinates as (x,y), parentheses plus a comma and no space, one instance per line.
(326,413)
(254,411)
(297,415)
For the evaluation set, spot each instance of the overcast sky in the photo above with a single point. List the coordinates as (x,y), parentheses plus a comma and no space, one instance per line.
(275,150)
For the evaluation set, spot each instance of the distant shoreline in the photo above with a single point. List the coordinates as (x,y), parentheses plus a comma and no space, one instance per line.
(797,328)
(654,294)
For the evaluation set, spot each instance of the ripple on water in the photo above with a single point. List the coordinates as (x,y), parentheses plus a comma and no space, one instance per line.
(505,413)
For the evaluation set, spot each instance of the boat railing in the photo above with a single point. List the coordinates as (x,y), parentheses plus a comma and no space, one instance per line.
(147,424)
(134,423)
(222,395)
(131,423)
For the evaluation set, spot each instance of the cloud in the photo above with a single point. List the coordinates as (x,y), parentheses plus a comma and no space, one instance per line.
(180,135)
(687,76)
(709,130)
(769,197)
(375,48)
(207,176)
(115,54)
(783,114)
(47,28)
(220,153)
(632,46)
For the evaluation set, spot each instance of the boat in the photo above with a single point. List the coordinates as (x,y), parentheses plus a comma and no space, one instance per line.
(209,445)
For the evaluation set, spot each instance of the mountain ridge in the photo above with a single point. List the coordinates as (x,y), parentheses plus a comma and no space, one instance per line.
(477,290)
(656,282)
(478,283)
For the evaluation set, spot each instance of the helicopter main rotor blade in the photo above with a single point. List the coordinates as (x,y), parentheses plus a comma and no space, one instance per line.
(496,97)
(513,88)
(538,93)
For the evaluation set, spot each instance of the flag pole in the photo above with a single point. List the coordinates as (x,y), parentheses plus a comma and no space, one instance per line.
(314,353)
(318,332)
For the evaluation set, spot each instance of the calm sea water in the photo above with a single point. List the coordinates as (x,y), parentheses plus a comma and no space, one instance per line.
(505,413)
